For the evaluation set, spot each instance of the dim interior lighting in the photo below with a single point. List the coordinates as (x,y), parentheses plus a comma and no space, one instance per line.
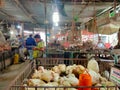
(55,17)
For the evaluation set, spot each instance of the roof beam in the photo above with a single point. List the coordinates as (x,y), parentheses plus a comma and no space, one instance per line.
(7,15)
(20,5)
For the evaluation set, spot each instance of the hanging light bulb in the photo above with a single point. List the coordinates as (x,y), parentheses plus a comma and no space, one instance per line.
(55,17)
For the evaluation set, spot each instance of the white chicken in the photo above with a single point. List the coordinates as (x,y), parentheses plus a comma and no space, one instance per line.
(56,69)
(35,82)
(78,70)
(41,69)
(62,67)
(47,76)
(93,65)
(36,74)
(70,68)
(52,83)
(55,76)
(72,79)
(95,77)
(66,83)
(63,81)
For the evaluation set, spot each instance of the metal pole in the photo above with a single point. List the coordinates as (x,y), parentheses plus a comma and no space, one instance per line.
(115,8)
(46,37)
(45,7)
(22,28)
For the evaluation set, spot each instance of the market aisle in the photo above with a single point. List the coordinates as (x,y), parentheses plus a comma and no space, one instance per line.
(10,73)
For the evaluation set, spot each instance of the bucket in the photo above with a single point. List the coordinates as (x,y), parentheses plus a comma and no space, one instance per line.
(16,58)
(85,80)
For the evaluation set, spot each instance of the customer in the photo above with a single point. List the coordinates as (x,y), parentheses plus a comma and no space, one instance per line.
(30,44)
(38,50)
(21,48)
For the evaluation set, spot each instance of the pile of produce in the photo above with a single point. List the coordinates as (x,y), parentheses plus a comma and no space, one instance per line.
(4,45)
(63,75)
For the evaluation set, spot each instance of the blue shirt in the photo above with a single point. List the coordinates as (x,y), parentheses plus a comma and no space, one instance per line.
(30,43)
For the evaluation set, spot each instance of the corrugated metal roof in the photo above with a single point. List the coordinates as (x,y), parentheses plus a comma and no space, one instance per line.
(33,10)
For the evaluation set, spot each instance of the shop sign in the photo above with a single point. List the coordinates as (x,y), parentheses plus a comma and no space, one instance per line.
(115,75)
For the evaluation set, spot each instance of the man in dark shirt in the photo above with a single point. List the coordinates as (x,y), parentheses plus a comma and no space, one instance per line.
(30,44)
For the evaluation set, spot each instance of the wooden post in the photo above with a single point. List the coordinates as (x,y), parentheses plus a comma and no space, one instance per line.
(1,3)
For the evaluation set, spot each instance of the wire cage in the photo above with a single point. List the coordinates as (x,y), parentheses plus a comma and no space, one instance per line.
(48,63)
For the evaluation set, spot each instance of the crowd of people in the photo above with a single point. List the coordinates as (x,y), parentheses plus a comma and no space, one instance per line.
(32,47)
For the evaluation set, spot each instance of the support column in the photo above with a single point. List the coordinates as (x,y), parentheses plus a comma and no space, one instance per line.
(22,30)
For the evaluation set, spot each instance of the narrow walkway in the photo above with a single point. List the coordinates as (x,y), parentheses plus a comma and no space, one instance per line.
(10,73)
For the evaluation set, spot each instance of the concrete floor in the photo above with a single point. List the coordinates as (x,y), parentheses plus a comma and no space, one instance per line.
(10,73)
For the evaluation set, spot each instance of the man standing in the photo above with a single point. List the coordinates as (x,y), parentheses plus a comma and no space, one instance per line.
(21,47)
(30,44)
(38,50)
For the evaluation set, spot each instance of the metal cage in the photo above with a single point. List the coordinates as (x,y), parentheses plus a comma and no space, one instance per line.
(17,84)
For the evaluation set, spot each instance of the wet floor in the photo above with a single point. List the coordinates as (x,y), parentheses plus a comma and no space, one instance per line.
(9,74)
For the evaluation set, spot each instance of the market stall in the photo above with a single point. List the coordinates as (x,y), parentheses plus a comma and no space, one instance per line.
(6,59)
(5,52)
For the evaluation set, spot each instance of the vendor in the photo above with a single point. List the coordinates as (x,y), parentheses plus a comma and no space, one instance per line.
(38,50)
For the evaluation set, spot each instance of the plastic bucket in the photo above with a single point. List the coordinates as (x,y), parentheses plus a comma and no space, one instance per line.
(85,80)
